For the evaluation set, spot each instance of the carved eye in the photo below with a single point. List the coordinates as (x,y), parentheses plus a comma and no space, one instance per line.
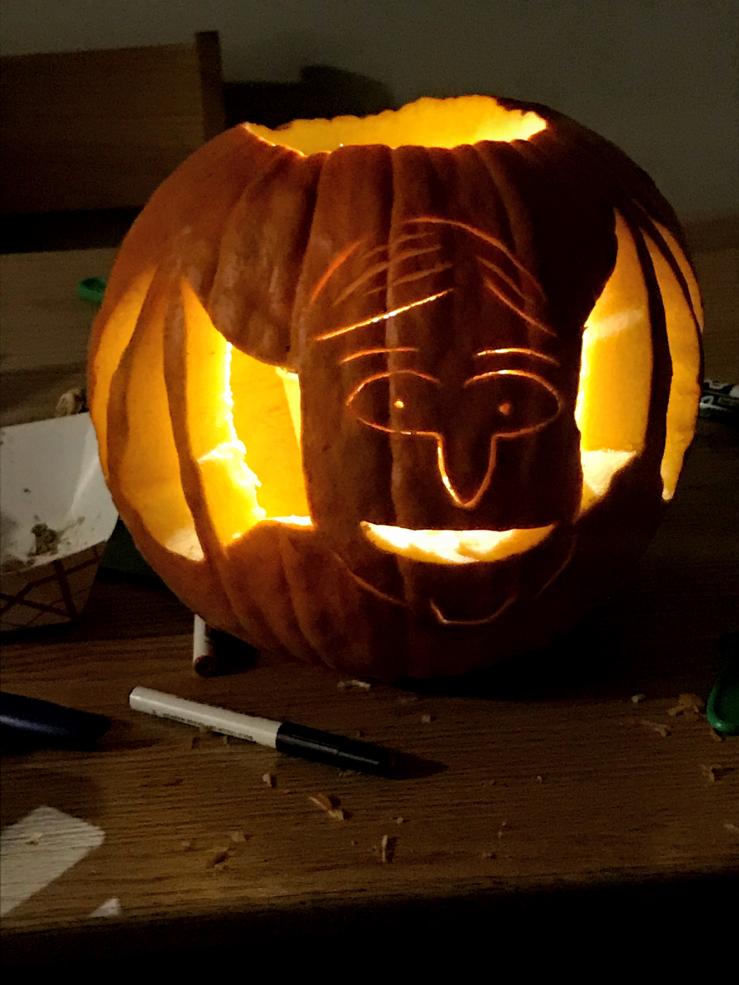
(403,401)
(523,401)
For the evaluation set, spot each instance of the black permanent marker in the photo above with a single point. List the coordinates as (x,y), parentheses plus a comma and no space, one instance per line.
(287,737)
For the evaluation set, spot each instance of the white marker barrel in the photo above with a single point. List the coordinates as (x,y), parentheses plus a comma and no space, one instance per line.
(263,731)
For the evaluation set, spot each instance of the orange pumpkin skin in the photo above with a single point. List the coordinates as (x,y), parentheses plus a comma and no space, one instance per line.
(432,302)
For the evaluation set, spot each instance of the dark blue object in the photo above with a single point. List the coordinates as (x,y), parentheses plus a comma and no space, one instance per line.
(32,722)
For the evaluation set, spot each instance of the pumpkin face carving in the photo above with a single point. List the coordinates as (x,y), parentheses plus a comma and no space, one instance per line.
(399,395)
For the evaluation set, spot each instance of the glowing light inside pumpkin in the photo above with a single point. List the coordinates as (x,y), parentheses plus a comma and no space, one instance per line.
(243,418)
(426,123)
(455,546)
(241,469)
(616,364)
(258,407)
(616,368)
(598,470)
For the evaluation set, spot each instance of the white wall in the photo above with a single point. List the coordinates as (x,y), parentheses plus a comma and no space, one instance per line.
(659,77)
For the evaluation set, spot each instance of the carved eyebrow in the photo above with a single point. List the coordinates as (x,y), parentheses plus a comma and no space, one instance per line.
(418,274)
(382,248)
(486,238)
(334,333)
(494,268)
(366,275)
(335,264)
(418,251)
(383,265)
(408,237)
(344,255)
(518,350)
(380,350)
(494,289)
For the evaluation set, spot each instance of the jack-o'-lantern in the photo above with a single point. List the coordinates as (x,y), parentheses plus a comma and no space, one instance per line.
(400,394)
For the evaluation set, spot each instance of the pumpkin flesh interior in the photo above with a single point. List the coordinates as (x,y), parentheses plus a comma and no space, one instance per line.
(615,373)
(616,368)
(246,450)
(426,123)
(148,470)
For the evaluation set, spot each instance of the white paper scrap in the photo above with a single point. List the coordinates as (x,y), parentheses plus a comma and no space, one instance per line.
(38,849)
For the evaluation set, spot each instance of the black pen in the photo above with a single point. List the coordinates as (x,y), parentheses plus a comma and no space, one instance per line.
(287,737)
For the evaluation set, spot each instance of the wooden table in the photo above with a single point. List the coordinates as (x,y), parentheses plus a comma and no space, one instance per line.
(561,794)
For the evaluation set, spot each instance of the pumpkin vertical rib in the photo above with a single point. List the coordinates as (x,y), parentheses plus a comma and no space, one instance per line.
(666,251)
(176,206)
(514,218)
(180,238)
(115,331)
(345,463)
(139,441)
(187,353)
(655,438)
(212,467)
(683,338)
(261,246)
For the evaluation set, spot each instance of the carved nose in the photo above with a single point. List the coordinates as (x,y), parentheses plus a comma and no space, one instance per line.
(465,474)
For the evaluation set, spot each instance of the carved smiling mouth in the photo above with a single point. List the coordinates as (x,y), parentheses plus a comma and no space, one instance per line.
(479,551)
(455,546)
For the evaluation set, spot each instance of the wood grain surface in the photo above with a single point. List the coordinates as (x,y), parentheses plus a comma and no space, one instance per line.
(555,786)
(554,780)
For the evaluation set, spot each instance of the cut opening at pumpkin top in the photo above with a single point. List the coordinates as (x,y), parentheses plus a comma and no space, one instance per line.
(424,123)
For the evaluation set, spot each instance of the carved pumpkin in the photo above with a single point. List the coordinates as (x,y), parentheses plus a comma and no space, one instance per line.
(401,394)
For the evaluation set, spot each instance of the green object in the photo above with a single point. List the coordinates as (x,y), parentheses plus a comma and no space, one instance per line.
(121,555)
(91,289)
(722,710)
